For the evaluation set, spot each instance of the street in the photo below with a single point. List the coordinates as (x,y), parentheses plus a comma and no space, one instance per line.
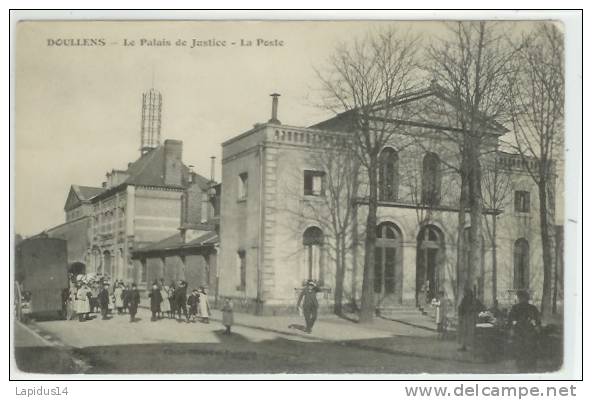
(257,345)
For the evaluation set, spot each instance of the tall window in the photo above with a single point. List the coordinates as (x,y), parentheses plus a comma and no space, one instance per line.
(388,175)
(431,180)
(385,262)
(314,183)
(313,240)
(521,201)
(243,185)
(521,264)
(242,270)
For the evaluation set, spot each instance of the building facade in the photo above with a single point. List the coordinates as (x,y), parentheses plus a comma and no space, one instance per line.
(279,208)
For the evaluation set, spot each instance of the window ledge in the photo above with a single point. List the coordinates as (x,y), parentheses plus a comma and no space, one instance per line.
(313,197)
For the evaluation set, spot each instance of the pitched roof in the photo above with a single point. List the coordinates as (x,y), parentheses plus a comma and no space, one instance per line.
(343,121)
(148,170)
(80,194)
(87,192)
(175,242)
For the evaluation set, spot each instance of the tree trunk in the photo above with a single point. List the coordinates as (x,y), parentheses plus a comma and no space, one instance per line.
(546,244)
(367,299)
(354,277)
(494,259)
(476,212)
(460,243)
(339,275)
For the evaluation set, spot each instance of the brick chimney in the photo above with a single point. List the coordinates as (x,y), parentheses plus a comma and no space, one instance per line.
(274,109)
(173,165)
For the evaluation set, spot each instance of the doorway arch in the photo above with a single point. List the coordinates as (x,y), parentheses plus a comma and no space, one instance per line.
(430,258)
(77,268)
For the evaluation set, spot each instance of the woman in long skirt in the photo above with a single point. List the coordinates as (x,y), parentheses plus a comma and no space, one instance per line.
(83,303)
(118,298)
(204,306)
(165,305)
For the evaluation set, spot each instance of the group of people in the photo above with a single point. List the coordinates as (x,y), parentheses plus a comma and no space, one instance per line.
(171,301)
(522,323)
(89,294)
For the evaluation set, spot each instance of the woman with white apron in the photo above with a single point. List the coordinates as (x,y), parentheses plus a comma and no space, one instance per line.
(83,303)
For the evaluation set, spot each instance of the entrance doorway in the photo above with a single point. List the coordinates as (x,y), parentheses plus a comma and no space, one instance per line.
(387,262)
(429,264)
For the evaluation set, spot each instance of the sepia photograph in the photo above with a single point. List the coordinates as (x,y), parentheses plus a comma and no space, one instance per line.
(292,197)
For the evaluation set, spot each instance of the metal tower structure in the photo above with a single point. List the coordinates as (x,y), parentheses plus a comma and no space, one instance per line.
(151,120)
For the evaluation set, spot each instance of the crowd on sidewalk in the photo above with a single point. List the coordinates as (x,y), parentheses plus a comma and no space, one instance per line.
(94,294)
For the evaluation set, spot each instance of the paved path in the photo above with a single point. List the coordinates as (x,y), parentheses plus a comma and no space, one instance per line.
(258,344)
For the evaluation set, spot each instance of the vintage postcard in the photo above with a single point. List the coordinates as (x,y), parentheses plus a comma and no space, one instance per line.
(300,197)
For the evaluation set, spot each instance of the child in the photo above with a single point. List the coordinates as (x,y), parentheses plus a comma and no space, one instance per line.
(227,315)
(441,304)
(192,302)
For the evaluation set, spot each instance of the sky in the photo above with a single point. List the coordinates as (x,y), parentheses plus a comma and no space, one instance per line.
(78,108)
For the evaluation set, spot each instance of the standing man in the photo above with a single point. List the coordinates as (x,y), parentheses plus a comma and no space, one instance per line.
(525,322)
(133,298)
(155,300)
(103,299)
(310,305)
(181,299)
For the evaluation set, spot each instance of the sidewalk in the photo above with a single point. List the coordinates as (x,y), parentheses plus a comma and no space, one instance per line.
(382,336)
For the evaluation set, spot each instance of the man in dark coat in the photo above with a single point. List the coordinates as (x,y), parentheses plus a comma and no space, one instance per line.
(155,300)
(468,310)
(181,299)
(103,299)
(133,298)
(309,303)
(525,322)
(193,303)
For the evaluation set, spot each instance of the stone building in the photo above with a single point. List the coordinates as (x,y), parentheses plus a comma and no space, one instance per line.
(191,253)
(77,228)
(134,207)
(276,229)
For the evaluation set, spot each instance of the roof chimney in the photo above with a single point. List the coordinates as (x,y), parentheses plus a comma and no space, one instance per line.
(274,109)
(213,168)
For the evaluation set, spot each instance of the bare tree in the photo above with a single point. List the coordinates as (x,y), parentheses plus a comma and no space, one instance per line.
(365,83)
(496,192)
(334,210)
(473,64)
(538,112)
(327,202)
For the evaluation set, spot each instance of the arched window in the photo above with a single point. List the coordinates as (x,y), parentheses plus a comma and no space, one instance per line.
(386,260)
(313,240)
(429,274)
(521,264)
(431,180)
(388,175)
